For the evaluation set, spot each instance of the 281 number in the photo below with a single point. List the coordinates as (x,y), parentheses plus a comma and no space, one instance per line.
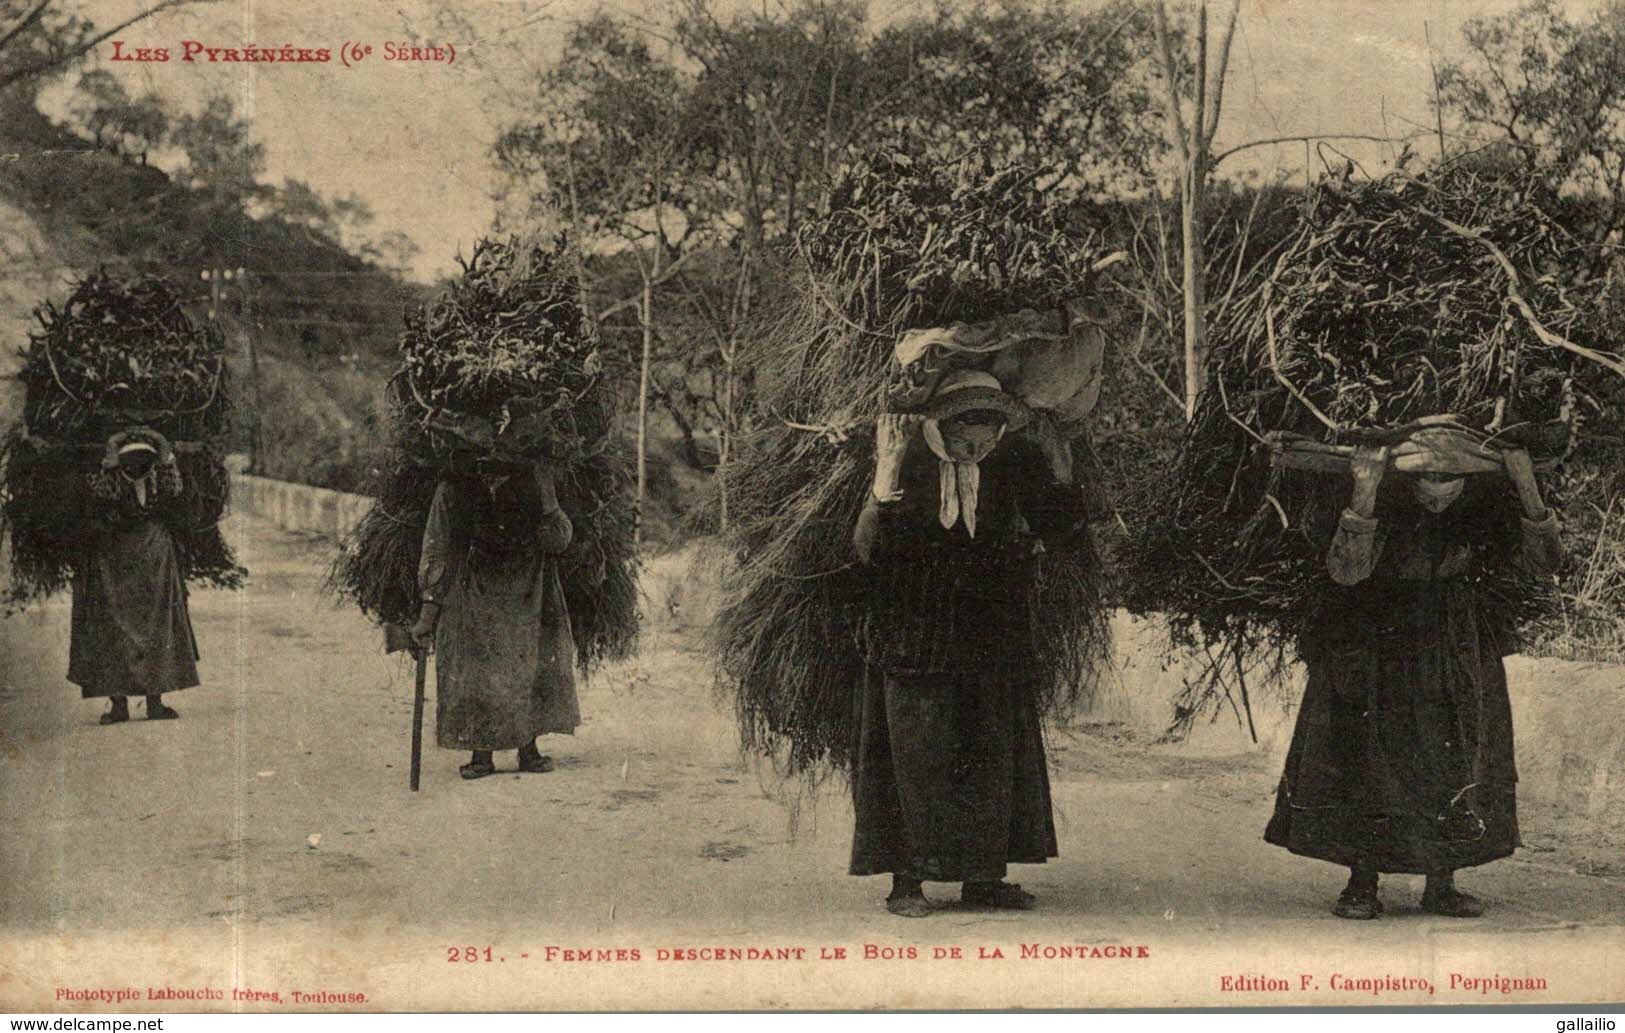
(468,954)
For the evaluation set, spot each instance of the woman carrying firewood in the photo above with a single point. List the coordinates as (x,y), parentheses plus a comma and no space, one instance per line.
(493,611)
(1402,758)
(949,774)
(132,634)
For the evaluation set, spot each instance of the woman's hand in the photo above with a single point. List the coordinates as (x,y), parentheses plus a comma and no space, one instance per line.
(1522,471)
(1368,465)
(892,431)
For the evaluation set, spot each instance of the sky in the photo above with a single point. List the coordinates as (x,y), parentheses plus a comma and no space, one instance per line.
(413,140)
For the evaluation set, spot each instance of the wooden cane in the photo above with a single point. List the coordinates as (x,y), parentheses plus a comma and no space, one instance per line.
(422,658)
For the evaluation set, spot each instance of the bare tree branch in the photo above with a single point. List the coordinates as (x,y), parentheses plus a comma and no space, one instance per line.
(24,22)
(637,299)
(1219,73)
(1551,339)
(1170,72)
(74,53)
(1308,138)
(1146,367)
(1202,128)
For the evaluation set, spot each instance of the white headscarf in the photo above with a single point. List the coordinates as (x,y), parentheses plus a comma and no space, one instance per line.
(959,481)
(147,481)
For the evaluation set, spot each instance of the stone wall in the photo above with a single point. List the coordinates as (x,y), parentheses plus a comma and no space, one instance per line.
(298,507)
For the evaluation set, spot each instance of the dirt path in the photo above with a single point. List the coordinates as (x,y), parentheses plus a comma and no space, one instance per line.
(200,832)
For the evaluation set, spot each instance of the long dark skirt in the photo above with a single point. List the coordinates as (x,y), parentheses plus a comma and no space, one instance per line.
(1402,758)
(132,633)
(950,783)
(504,656)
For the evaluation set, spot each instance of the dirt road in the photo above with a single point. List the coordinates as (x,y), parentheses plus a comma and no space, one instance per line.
(268,836)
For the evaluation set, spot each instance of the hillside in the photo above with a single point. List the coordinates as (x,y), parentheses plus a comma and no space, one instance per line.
(323,319)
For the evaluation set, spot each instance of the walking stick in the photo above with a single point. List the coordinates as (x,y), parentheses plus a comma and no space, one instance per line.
(422,657)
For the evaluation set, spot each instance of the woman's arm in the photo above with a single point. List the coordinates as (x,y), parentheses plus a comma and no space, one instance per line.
(1541,550)
(1356,546)
(869,537)
(435,567)
(891,445)
(435,561)
(169,477)
(556,530)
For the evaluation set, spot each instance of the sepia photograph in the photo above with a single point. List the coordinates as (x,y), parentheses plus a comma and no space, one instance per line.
(812,505)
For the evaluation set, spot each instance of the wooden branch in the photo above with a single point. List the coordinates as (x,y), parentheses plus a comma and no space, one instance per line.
(637,299)
(1464,458)
(1275,359)
(1146,367)
(1547,337)
(1219,76)
(1241,249)
(1438,100)
(1224,399)
(1309,138)
(1199,107)
(75,53)
(1171,73)
(1241,678)
(24,22)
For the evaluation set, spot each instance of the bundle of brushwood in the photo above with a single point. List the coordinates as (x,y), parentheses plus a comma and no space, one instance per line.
(1446,313)
(117,355)
(907,245)
(504,366)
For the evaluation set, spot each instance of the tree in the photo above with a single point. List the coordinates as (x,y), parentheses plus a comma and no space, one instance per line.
(299,204)
(349,217)
(1058,85)
(747,120)
(39,38)
(611,145)
(96,104)
(143,125)
(126,127)
(342,220)
(393,250)
(222,160)
(1194,99)
(1551,88)
(784,93)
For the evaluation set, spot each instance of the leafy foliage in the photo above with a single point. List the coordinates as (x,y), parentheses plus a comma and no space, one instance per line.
(787,653)
(715,144)
(117,354)
(1374,313)
(1550,91)
(924,243)
(1056,85)
(509,327)
(504,350)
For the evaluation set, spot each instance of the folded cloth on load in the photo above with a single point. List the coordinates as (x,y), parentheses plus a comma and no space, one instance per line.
(1048,360)
(521,437)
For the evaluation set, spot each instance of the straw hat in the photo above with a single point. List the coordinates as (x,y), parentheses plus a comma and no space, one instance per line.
(963,391)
